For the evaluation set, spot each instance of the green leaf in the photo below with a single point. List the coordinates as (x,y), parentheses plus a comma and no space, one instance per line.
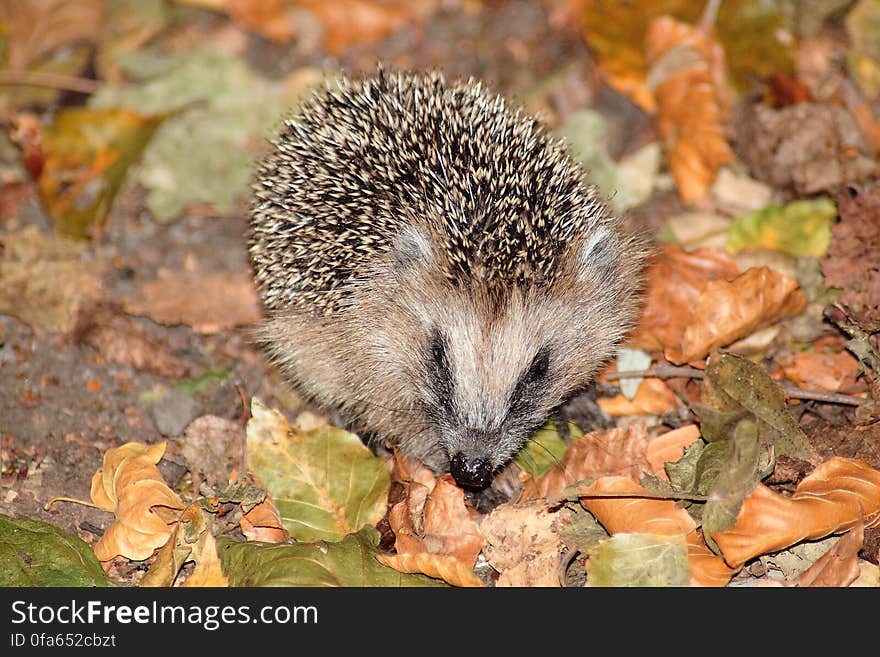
(639,560)
(325,482)
(349,562)
(736,389)
(800,228)
(544,449)
(87,155)
(34,553)
(223,112)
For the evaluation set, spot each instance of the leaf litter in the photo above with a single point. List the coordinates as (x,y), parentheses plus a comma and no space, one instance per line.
(703,477)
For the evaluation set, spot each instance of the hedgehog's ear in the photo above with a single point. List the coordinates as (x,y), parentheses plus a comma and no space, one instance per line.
(412,248)
(597,255)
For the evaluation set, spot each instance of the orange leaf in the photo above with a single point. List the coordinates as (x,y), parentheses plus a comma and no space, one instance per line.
(693,102)
(445,567)
(617,451)
(669,447)
(263,523)
(633,511)
(652,398)
(840,565)
(129,484)
(436,521)
(729,310)
(836,496)
(675,279)
(828,366)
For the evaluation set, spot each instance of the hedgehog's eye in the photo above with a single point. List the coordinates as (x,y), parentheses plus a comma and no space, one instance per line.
(538,369)
(438,353)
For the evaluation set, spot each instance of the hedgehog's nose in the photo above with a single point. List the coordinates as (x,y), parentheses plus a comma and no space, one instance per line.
(471,471)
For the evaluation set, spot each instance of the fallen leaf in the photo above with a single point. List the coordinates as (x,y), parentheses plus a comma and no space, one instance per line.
(523,544)
(675,278)
(208,570)
(209,302)
(826,366)
(87,155)
(840,565)
(686,76)
(839,494)
(436,521)
(614,452)
(727,311)
(44,280)
(799,228)
(120,339)
(639,560)
(632,511)
(263,523)
(653,397)
(351,561)
(450,569)
(129,485)
(325,483)
(37,554)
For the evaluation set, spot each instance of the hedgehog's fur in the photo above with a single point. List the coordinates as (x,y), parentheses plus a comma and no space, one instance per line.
(433,265)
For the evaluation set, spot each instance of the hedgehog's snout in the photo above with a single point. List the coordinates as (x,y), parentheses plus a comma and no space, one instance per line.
(471,470)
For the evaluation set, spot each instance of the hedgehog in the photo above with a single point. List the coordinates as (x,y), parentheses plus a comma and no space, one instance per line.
(435,270)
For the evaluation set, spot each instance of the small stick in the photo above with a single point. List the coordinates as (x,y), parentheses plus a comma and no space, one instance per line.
(51,80)
(669,372)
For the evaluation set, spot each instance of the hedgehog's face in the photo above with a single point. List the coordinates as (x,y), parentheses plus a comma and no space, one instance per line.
(490,380)
(488,368)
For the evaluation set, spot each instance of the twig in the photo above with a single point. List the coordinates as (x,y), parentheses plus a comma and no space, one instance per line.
(669,372)
(52,80)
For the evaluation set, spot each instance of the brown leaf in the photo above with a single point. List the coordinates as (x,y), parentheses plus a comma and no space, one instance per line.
(669,447)
(448,568)
(129,485)
(827,366)
(119,339)
(634,511)
(263,523)
(613,452)
(652,398)
(693,103)
(354,22)
(209,302)
(37,28)
(839,494)
(729,310)
(45,279)
(208,570)
(523,544)
(675,279)
(840,565)
(436,521)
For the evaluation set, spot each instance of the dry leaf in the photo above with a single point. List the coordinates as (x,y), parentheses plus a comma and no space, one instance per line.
(129,485)
(840,565)
(669,447)
(652,398)
(445,567)
(614,452)
(436,521)
(263,523)
(640,514)
(44,280)
(208,571)
(209,302)
(37,28)
(693,103)
(675,279)
(839,494)
(729,310)
(523,544)
(827,366)
(120,339)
